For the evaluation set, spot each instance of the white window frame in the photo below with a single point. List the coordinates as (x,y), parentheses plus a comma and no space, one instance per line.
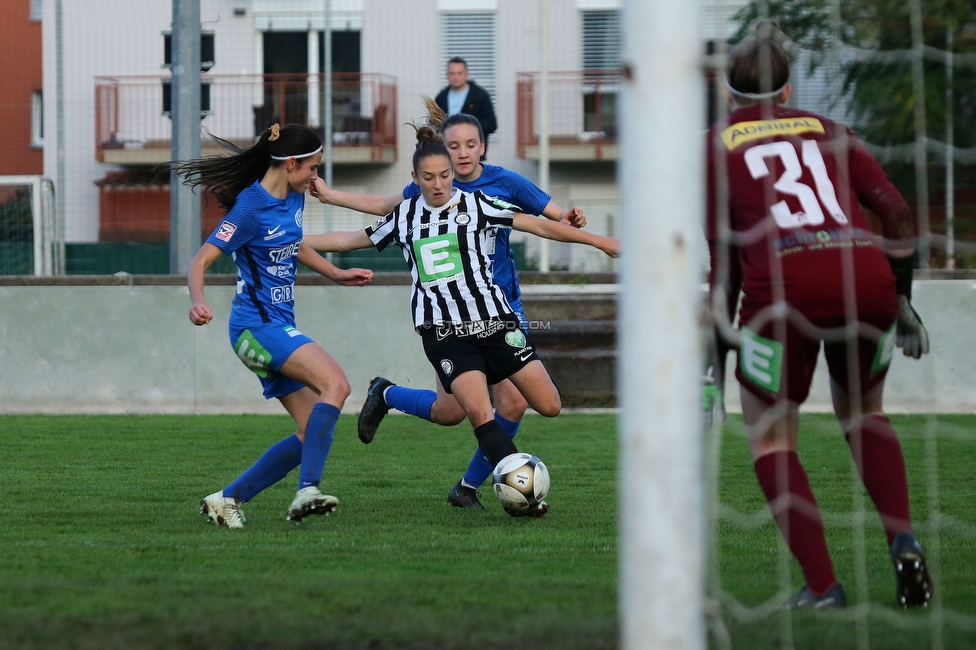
(37,118)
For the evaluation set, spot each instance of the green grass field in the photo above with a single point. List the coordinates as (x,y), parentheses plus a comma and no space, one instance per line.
(101,545)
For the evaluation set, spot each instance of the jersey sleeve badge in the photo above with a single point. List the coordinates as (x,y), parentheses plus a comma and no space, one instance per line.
(502,205)
(225,231)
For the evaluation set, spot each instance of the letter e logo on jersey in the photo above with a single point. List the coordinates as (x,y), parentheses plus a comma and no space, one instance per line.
(438,259)
(225,231)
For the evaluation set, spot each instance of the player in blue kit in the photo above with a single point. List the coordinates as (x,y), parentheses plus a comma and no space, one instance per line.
(263,190)
(466,144)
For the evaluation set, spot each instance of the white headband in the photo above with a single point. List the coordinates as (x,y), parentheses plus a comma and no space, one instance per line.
(304,155)
(769,95)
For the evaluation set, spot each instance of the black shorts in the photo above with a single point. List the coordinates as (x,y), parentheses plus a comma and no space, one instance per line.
(498,348)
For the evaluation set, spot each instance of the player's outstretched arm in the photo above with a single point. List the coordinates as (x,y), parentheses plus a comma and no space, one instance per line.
(200,313)
(338,242)
(368,203)
(574,216)
(561,232)
(322,266)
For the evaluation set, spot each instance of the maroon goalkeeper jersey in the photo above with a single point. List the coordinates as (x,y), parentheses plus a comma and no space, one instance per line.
(796,182)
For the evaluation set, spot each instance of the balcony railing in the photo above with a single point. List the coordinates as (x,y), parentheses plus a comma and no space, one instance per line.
(132,129)
(582,115)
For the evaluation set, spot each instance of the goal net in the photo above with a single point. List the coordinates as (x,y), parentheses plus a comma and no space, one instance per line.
(31,237)
(903,85)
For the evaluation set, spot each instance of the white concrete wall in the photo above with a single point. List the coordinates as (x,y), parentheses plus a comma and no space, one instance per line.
(125,349)
(944,381)
(132,350)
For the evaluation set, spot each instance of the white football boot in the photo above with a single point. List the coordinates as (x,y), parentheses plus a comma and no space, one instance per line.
(309,501)
(223,511)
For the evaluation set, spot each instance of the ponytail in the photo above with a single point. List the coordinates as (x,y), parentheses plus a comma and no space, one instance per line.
(429,139)
(224,177)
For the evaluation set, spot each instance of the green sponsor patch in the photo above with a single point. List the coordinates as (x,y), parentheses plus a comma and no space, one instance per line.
(886,350)
(253,354)
(438,258)
(761,360)
(515,338)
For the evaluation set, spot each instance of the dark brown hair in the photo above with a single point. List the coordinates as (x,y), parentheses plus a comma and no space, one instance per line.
(430,142)
(758,65)
(224,177)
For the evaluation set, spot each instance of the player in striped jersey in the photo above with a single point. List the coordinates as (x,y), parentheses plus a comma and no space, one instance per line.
(263,190)
(812,272)
(466,144)
(470,332)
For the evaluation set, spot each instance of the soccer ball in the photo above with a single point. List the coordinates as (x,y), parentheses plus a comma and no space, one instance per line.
(520,481)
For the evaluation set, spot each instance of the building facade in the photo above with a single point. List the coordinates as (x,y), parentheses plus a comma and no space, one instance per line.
(386,54)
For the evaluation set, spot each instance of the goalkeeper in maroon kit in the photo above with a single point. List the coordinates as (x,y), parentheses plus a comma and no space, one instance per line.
(811,272)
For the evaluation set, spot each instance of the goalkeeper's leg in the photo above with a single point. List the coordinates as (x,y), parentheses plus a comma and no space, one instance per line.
(772,432)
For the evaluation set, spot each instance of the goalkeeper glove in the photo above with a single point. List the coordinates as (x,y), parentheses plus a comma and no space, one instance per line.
(911,335)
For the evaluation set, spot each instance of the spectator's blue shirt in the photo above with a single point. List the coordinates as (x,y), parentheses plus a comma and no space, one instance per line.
(510,187)
(263,234)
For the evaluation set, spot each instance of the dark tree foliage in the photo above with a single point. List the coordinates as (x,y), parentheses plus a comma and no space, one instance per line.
(879,95)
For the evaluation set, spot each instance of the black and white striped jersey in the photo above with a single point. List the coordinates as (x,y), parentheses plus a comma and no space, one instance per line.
(447,252)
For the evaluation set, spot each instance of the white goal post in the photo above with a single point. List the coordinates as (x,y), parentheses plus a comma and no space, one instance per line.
(660,173)
(47,236)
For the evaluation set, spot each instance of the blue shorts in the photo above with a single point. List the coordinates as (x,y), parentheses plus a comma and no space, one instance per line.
(263,349)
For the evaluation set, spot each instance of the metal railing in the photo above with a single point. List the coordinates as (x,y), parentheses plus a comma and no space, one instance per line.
(582,114)
(131,126)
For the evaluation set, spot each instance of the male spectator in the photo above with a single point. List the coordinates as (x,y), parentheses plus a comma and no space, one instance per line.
(463,95)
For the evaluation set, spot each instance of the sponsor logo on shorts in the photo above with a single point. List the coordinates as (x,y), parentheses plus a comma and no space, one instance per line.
(298,217)
(283,294)
(761,360)
(462,219)
(292,332)
(886,350)
(525,354)
(253,354)
(447,366)
(515,338)
(225,231)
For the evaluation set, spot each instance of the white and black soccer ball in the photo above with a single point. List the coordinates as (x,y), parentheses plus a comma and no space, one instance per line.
(520,481)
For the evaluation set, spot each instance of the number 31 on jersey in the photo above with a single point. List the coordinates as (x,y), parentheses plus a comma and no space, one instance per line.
(788,183)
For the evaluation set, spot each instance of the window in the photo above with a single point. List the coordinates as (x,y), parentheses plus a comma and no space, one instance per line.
(601,39)
(35,10)
(601,60)
(37,118)
(471,36)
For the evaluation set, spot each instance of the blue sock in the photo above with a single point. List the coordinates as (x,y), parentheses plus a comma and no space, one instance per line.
(480,468)
(412,401)
(318,441)
(273,465)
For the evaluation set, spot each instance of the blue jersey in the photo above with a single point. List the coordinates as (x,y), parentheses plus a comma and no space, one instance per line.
(510,187)
(263,234)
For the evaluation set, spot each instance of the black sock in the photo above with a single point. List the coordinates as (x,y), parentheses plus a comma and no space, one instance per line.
(494,442)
